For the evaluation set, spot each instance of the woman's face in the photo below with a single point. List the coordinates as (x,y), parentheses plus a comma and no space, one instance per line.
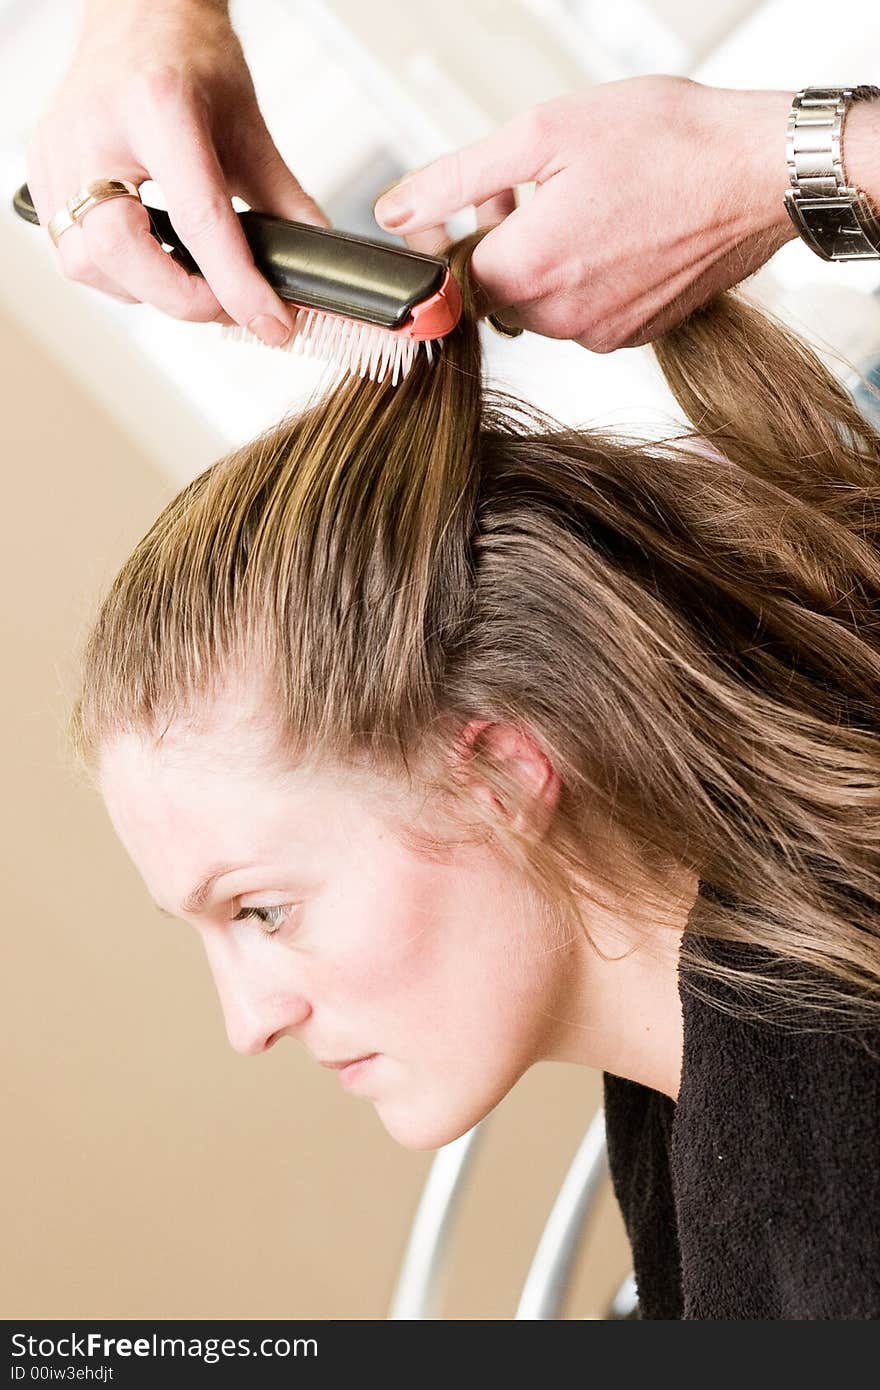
(442,969)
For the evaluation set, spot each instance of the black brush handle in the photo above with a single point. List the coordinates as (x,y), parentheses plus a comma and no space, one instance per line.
(335,272)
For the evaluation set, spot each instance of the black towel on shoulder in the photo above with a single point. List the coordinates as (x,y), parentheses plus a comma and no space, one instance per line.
(757,1195)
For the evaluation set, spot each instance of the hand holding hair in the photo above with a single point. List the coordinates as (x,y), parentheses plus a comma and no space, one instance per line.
(149,96)
(653,195)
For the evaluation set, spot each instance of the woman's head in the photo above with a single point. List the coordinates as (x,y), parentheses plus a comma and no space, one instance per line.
(394,588)
(366,943)
(378,928)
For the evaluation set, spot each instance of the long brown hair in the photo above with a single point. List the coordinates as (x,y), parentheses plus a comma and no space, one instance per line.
(688,628)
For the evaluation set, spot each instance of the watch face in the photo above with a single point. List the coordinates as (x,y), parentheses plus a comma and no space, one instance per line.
(832,226)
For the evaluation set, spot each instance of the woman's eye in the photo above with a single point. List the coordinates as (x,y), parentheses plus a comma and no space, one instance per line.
(272,923)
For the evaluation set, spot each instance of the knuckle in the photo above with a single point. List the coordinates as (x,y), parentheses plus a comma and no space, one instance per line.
(664,93)
(559,321)
(661,84)
(201,216)
(159,84)
(109,240)
(535,273)
(538,125)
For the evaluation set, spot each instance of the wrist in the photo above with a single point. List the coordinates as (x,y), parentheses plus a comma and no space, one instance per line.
(861,149)
(764,126)
(743,136)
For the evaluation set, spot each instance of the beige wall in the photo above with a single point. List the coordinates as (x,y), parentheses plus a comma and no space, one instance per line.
(149,1171)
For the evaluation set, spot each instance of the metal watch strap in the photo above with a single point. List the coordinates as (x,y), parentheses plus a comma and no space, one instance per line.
(836,221)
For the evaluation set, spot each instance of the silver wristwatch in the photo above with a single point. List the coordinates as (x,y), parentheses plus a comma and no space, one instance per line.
(835,220)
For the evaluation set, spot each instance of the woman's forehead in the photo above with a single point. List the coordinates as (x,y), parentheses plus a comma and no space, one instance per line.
(200,771)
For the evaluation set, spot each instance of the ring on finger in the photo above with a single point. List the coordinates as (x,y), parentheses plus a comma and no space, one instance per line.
(89,196)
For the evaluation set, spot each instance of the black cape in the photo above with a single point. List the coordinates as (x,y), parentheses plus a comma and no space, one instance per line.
(757,1194)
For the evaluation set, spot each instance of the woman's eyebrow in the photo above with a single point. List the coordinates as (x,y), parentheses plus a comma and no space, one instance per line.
(197,899)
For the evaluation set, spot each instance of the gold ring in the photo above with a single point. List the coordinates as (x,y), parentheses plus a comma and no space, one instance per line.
(89,196)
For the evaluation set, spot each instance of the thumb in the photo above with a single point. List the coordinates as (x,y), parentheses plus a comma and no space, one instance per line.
(473,174)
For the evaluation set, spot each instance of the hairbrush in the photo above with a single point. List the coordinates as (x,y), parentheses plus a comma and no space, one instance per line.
(363,305)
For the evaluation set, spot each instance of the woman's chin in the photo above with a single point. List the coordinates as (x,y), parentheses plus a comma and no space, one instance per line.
(416,1131)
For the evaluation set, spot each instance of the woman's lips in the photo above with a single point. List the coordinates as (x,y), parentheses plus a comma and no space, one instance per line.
(350,1073)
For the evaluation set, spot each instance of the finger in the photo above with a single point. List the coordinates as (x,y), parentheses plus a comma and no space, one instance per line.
(494,210)
(434,239)
(530,267)
(489,214)
(70,255)
(430,240)
(267,185)
(130,225)
(221,315)
(73,262)
(202,213)
(78,267)
(514,264)
(116,243)
(472,175)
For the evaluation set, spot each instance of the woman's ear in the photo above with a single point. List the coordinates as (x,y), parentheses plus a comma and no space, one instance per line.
(513,747)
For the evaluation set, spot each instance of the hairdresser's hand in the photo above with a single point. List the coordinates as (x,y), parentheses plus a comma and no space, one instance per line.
(162,92)
(652,195)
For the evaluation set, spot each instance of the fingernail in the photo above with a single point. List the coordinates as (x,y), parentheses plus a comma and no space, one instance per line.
(271,330)
(393,208)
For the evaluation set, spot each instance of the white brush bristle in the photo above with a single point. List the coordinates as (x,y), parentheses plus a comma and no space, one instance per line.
(354,349)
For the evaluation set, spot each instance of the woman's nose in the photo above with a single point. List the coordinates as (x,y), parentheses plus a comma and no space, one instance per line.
(250,1032)
(255,1010)
(254,1027)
